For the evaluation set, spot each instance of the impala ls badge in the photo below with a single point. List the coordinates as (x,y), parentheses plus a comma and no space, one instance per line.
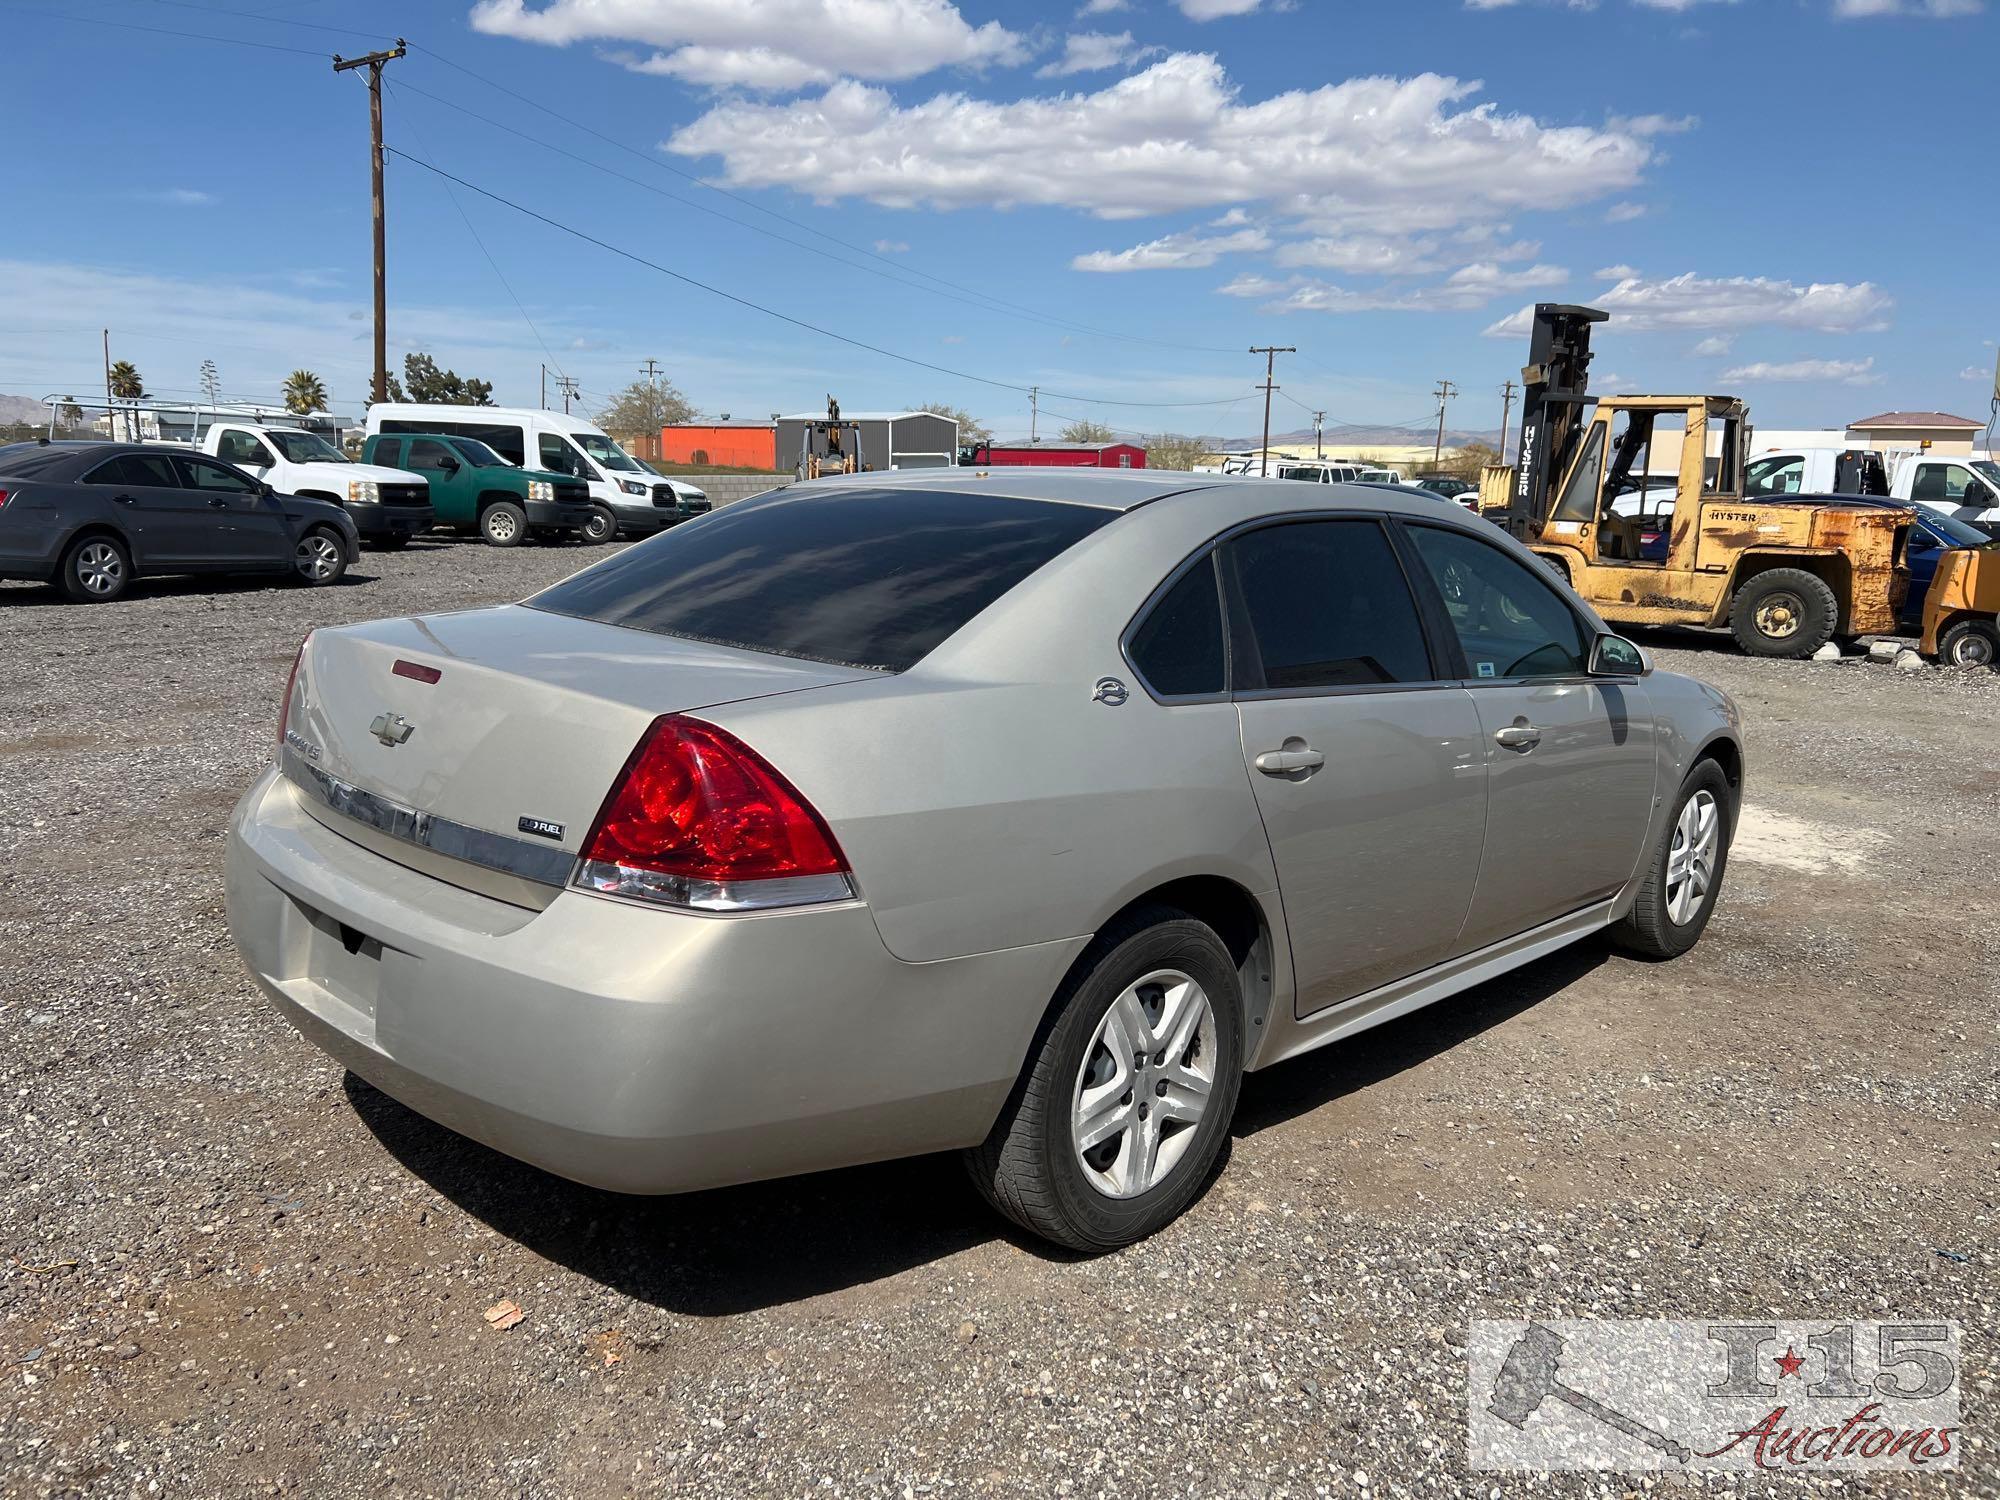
(391,729)
(1110,691)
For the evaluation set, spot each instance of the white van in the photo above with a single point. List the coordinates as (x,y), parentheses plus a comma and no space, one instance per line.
(1315,471)
(639,501)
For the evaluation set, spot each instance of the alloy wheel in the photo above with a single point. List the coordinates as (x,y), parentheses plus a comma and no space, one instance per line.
(99,568)
(500,525)
(1145,1084)
(1691,859)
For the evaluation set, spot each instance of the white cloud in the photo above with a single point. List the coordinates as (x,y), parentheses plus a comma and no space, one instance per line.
(1843,371)
(1930,10)
(1714,347)
(770,44)
(1368,154)
(1624,213)
(892,247)
(1974,372)
(1652,124)
(1468,287)
(1103,7)
(1094,51)
(1174,252)
(1215,10)
(1690,301)
(179,197)
(1677,5)
(1362,254)
(1619,272)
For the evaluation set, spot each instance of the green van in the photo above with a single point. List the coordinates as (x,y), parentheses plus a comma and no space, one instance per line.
(474,488)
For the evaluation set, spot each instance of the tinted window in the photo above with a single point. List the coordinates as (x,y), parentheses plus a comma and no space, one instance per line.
(202,474)
(1178,646)
(1327,606)
(242,448)
(1775,476)
(557,457)
(869,578)
(138,471)
(1509,622)
(428,455)
(389,453)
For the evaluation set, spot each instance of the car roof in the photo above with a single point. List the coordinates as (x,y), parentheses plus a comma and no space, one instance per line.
(1118,489)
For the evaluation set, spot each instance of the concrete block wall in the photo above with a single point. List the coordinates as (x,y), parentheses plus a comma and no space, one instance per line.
(725,489)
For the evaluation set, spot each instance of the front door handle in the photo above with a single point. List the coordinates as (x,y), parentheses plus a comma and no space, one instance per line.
(124,499)
(1520,735)
(216,502)
(1285,762)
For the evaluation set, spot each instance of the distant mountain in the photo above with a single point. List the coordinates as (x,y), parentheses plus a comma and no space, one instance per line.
(1359,436)
(22,409)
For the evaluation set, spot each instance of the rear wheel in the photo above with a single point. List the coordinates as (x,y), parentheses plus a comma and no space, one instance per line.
(601,527)
(503,524)
(1784,612)
(319,559)
(1125,1105)
(95,570)
(1970,643)
(1678,893)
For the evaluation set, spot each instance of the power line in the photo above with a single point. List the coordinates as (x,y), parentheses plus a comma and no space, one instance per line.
(251,15)
(196,36)
(770,312)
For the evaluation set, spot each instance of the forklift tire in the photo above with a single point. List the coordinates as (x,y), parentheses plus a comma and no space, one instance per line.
(503,524)
(1970,643)
(1783,612)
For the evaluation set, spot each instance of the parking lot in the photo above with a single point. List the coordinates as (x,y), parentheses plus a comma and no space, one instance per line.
(229,1270)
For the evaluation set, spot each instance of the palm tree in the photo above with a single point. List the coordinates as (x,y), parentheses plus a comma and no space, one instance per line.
(126,385)
(304,392)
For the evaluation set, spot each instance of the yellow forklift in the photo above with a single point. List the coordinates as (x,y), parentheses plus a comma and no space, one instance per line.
(831,446)
(1638,501)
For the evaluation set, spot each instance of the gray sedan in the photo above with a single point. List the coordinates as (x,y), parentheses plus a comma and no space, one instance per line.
(91,517)
(1021,812)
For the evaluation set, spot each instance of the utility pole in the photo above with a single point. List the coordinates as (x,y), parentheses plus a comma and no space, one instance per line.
(545,388)
(110,422)
(1506,412)
(1319,434)
(1034,413)
(651,371)
(568,388)
(1270,353)
(373,62)
(1445,391)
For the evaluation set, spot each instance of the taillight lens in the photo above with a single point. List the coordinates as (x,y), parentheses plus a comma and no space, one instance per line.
(3,497)
(291,681)
(699,819)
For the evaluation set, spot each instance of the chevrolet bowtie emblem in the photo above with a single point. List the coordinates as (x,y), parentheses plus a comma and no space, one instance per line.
(391,729)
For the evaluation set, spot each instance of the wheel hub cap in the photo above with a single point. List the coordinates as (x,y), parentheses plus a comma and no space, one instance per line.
(1779,615)
(316,556)
(98,568)
(1144,1085)
(1691,858)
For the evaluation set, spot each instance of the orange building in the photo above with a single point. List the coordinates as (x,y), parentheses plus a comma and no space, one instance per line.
(731,445)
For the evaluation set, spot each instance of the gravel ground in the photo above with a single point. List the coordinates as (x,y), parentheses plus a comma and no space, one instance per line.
(225,1269)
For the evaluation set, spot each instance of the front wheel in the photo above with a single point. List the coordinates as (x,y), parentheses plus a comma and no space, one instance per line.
(319,559)
(1125,1104)
(1684,872)
(1784,612)
(1970,643)
(601,527)
(503,524)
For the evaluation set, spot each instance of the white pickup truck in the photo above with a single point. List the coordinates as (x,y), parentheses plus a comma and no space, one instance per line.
(1965,488)
(389,506)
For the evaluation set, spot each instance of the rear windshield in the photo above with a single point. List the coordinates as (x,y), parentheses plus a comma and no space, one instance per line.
(860,577)
(24,459)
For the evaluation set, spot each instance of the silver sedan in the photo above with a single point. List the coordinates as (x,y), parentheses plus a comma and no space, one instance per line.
(1021,812)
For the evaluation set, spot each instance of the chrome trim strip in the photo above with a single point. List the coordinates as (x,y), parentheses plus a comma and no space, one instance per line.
(477,846)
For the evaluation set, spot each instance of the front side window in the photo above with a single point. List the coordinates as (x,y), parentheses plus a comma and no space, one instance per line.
(1324,605)
(1509,622)
(1178,646)
(863,577)
(1781,475)
(204,474)
(242,448)
(557,457)
(428,455)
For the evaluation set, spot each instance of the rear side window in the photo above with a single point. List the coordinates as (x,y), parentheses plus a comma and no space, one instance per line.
(864,578)
(389,453)
(1326,605)
(1178,646)
(137,470)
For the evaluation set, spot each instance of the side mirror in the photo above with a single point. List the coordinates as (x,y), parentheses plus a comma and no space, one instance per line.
(1614,656)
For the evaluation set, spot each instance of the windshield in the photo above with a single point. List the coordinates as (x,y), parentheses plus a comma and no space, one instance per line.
(305,447)
(606,452)
(1952,531)
(478,454)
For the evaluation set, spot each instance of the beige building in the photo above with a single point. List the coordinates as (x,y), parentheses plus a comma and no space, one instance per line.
(1916,431)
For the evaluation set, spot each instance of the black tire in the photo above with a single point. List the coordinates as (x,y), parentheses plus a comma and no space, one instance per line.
(95,570)
(1028,1167)
(1784,612)
(503,524)
(1970,643)
(320,558)
(1650,929)
(602,526)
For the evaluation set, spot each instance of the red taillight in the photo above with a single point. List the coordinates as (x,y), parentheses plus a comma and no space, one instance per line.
(291,681)
(697,818)
(3,497)
(415,671)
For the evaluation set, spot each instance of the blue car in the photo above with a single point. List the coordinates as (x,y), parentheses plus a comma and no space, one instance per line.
(1932,534)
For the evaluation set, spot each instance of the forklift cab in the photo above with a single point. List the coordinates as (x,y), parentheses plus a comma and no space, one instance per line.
(1639,457)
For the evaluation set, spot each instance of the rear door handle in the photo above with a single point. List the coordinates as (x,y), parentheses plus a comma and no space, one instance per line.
(1284,762)
(1518,736)
(124,499)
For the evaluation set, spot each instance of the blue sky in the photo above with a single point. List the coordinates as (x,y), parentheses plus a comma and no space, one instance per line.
(1108,200)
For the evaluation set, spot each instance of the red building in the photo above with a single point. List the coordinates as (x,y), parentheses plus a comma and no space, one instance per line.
(1062,455)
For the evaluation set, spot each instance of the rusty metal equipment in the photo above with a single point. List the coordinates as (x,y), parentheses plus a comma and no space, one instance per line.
(1527,1378)
(1782,578)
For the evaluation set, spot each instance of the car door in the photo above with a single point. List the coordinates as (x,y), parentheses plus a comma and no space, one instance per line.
(1920,556)
(1366,763)
(167,525)
(245,529)
(451,491)
(1570,758)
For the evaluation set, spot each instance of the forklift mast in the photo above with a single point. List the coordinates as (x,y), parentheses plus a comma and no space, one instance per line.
(1555,387)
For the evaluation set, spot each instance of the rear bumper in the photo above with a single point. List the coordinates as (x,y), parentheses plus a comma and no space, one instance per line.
(373,521)
(638,1050)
